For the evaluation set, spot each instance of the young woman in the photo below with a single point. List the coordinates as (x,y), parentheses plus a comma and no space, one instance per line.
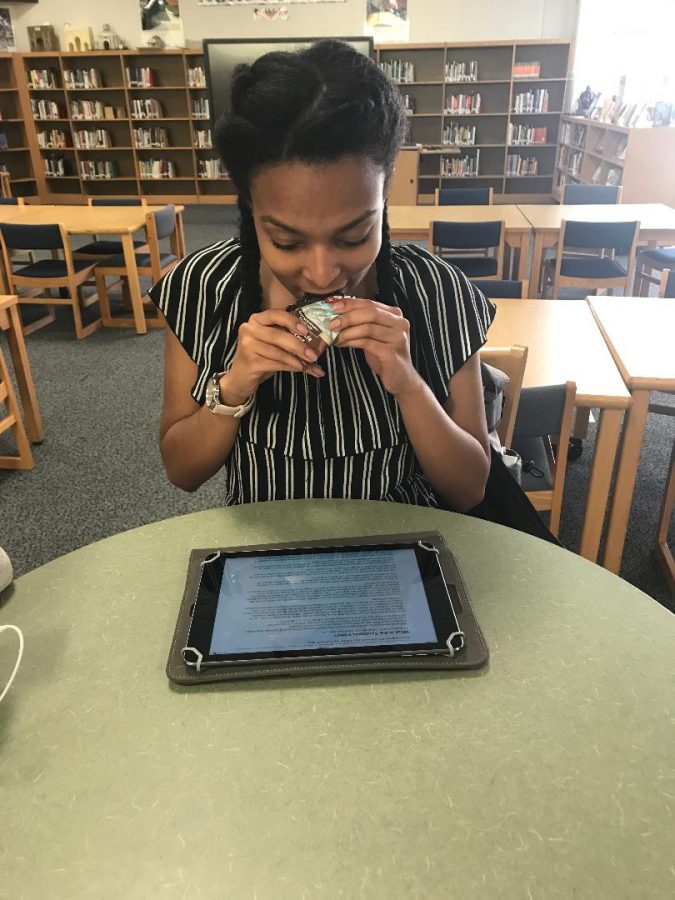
(393,410)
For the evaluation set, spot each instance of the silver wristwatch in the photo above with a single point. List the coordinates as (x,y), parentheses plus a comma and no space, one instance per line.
(214,404)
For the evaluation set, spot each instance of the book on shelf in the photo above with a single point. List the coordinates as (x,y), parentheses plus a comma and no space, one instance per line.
(47,109)
(622,146)
(146,109)
(200,108)
(42,79)
(56,166)
(141,77)
(461,71)
(203,139)
(90,139)
(462,167)
(462,104)
(54,139)
(78,79)
(399,70)
(613,176)
(98,169)
(520,166)
(196,77)
(87,109)
(147,138)
(526,69)
(156,168)
(410,103)
(3,141)
(596,177)
(459,135)
(526,135)
(211,168)
(531,101)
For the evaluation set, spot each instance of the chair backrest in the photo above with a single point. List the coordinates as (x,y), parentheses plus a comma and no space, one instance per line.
(592,193)
(159,224)
(31,237)
(667,285)
(598,235)
(511,361)
(465,235)
(11,201)
(501,288)
(544,412)
(463,196)
(116,201)
(5,186)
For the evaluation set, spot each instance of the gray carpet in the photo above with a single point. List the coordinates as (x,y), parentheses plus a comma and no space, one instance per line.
(99,471)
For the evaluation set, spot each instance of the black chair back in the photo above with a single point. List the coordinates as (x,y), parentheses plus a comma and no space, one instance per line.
(9,201)
(591,193)
(599,235)
(31,237)
(466,235)
(540,411)
(116,201)
(464,197)
(165,221)
(499,288)
(669,290)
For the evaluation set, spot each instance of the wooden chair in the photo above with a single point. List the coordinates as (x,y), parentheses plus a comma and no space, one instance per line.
(510,289)
(467,245)
(159,225)
(667,283)
(573,266)
(511,361)
(13,420)
(12,201)
(101,249)
(545,412)
(581,194)
(5,186)
(659,260)
(663,551)
(463,196)
(63,275)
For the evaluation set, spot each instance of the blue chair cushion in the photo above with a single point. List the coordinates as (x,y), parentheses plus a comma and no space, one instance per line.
(52,268)
(474,266)
(662,257)
(533,450)
(106,247)
(591,267)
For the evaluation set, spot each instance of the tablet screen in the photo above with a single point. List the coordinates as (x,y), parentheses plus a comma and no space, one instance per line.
(300,602)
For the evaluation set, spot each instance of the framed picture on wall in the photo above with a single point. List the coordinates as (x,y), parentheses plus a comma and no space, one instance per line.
(6,30)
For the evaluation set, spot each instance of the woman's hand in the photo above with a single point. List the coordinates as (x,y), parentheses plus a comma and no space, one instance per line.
(265,346)
(383,334)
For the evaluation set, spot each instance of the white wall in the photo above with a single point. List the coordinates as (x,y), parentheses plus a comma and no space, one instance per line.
(430,20)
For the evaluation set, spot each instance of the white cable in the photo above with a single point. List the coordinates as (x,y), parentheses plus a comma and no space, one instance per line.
(18,659)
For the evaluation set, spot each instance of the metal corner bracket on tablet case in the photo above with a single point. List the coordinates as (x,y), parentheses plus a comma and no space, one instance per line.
(455,635)
(198,657)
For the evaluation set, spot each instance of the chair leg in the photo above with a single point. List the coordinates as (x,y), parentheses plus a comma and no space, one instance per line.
(103,299)
(24,460)
(37,324)
(81,330)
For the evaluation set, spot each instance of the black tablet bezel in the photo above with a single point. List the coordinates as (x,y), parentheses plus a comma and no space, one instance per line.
(450,638)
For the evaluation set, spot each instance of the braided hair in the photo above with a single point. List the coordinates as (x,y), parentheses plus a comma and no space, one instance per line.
(314,106)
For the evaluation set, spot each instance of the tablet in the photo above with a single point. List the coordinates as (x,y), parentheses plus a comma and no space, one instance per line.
(353,601)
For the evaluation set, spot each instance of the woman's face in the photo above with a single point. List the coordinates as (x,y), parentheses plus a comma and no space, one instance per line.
(319,226)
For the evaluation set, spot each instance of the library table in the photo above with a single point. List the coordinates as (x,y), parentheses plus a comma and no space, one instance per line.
(657,225)
(550,773)
(122,221)
(565,344)
(640,334)
(10,323)
(411,223)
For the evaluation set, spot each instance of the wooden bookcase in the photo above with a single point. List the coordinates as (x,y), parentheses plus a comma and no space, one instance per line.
(90,149)
(15,148)
(429,96)
(640,159)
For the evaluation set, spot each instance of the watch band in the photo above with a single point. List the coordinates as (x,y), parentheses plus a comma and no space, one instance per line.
(220,409)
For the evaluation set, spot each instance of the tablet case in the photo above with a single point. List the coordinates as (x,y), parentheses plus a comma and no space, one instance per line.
(474,654)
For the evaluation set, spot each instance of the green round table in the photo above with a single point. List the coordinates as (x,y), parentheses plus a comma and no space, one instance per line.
(548,774)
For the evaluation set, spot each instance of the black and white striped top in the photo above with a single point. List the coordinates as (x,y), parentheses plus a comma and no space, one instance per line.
(340,436)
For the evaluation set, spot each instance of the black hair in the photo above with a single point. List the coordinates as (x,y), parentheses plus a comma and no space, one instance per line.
(317,105)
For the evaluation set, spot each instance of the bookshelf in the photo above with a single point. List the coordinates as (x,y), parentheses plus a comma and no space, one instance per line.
(16,157)
(484,114)
(121,123)
(639,159)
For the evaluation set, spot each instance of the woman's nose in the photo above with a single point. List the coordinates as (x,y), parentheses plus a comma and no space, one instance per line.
(322,271)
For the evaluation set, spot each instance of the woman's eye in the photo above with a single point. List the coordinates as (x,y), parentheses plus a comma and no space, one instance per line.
(356,243)
(284,246)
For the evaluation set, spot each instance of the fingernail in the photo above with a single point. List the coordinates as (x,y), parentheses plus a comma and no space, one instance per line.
(336,323)
(337,303)
(301,328)
(310,354)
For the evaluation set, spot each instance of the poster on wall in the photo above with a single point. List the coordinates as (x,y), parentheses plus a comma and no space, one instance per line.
(269,13)
(387,20)
(6,30)
(268,5)
(161,21)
